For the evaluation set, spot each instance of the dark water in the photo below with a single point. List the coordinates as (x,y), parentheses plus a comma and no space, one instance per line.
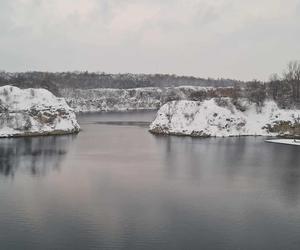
(115,186)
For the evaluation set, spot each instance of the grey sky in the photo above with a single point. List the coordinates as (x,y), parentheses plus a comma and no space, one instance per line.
(242,39)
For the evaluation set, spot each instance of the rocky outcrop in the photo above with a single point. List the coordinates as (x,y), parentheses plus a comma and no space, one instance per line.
(223,117)
(152,98)
(30,112)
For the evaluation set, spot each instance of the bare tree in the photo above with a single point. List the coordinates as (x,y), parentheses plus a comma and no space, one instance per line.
(274,86)
(292,77)
(256,92)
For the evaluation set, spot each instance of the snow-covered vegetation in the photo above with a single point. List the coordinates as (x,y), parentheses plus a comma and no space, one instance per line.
(222,117)
(27,112)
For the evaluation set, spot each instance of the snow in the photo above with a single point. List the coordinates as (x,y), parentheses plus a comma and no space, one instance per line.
(220,118)
(27,112)
(285,141)
(23,99)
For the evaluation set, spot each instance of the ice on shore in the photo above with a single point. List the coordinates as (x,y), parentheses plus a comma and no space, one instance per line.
(285,141)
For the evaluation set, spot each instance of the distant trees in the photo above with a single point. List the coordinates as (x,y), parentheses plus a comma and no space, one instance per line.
(90,80)
(292,77)
(285,90)
(255,91)
(274,86)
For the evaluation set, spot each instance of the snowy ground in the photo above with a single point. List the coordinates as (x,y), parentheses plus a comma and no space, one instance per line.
(221,118)
(26,112)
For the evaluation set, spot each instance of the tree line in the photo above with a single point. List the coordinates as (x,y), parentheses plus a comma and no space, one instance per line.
(90,80)
(284,88)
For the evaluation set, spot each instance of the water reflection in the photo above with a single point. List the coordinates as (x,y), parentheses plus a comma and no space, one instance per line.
(181,156)
(230,161)
(35,156)
(288,164)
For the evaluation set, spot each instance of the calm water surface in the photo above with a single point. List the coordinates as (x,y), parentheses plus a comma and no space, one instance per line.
(116,186)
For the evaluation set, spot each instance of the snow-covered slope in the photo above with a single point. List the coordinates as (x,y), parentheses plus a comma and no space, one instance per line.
(220,117)
(26,112)
(151,98)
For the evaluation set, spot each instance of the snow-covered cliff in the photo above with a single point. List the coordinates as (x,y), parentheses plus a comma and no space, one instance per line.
(222,117)
(27,112)
(93,100)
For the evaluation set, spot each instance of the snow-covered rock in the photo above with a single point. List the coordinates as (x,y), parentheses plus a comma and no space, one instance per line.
(221,117)
(150,98)
(27,112)
(95,100)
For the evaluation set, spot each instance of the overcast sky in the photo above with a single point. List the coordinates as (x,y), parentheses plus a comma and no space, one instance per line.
(242,39)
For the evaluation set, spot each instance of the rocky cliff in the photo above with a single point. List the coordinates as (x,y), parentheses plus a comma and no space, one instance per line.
(28,112)
(222,117)
(93,100)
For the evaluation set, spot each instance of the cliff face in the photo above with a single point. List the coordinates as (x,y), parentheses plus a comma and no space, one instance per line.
(27,112)
(222,117)
(92,100)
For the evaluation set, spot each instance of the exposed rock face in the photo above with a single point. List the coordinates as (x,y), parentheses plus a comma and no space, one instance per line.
(28,112)
(95,100)
(152,98)
(222,117)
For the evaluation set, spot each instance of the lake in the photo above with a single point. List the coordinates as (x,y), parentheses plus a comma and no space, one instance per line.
(116,186)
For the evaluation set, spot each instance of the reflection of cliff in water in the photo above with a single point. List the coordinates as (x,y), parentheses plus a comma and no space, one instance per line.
(35,156)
